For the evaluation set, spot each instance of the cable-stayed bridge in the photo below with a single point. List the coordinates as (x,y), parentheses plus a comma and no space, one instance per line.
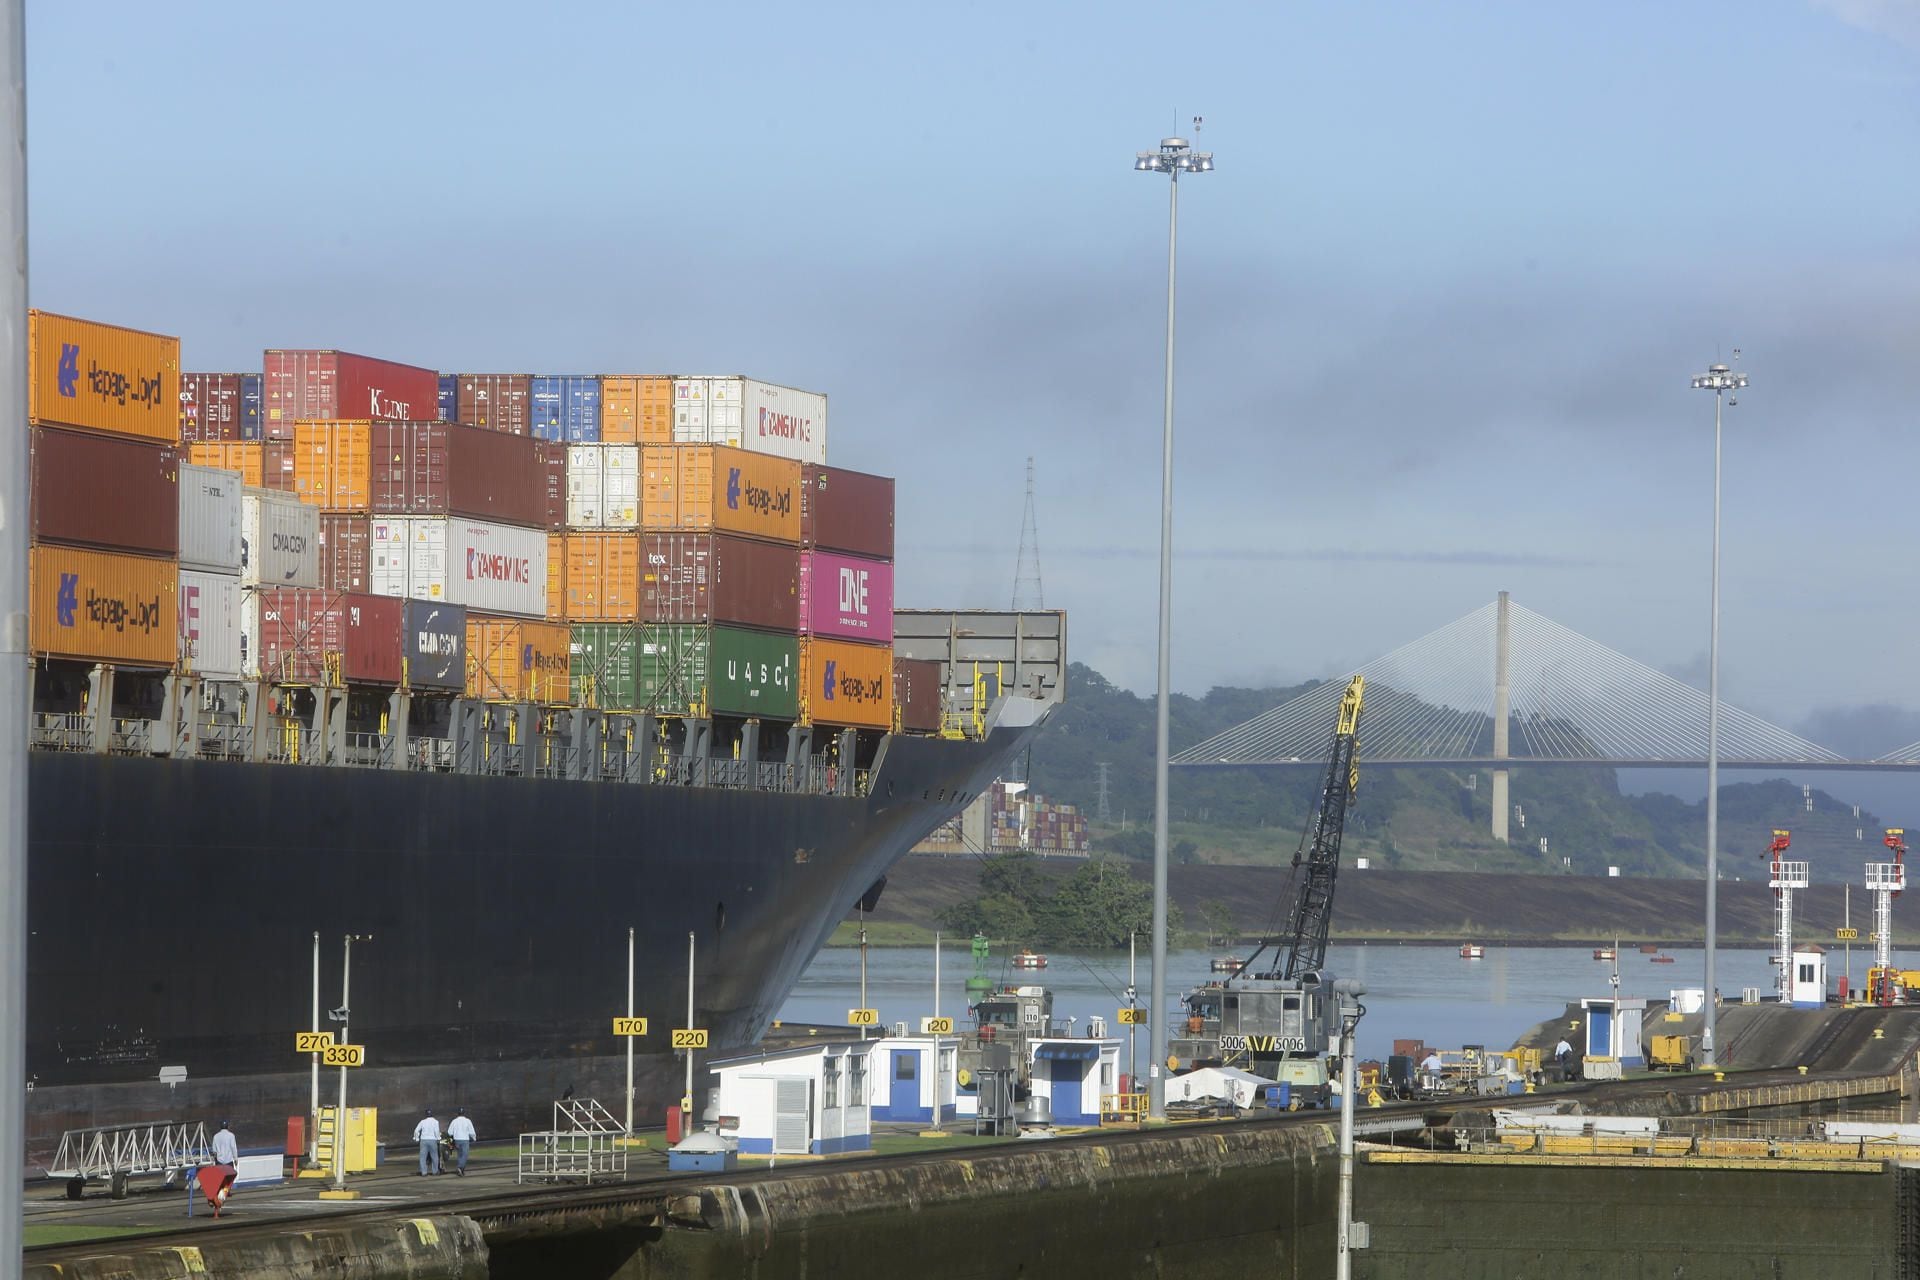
(1505,687)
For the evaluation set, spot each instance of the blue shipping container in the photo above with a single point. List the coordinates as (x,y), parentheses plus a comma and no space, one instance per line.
(449,398)
(250,398)
(564,407)
(435,644)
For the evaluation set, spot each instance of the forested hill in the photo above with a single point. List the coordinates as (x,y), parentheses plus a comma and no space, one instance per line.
(1427,819)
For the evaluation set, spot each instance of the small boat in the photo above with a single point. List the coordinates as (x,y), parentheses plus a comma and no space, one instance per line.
(1029,960)
(1472,951)
(1661,959)
(1604,953)
(1227,964)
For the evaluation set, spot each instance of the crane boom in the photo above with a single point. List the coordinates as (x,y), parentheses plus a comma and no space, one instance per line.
(1317,861)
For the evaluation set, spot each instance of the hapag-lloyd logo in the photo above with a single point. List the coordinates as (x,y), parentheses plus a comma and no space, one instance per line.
(786,426)
(380,406)
(495,566)
(532,659)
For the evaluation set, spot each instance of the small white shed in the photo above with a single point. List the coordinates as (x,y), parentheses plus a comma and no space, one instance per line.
(1613,1030)
(807,1100)
(1807,983)
(1072,1074)
(909,1074)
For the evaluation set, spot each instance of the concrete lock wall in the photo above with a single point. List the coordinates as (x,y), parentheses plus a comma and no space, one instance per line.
(1259,1199)
(1494,1222)
(438,1248)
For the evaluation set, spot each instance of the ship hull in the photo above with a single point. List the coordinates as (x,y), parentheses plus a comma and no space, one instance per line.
(172,906)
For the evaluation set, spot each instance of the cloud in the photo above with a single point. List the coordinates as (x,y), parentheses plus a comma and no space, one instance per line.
(1863,732)
(1897,20)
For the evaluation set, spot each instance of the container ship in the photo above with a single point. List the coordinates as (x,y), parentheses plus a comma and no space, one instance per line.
(487,672)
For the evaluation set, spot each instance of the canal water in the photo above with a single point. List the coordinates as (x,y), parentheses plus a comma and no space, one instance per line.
(1427,993)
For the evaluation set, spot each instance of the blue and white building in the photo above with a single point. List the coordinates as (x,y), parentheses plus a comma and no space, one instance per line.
(1613,1031)
(911,1076)
(807,1100)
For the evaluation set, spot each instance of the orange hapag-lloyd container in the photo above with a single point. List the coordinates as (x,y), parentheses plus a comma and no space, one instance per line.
(703,486)
(245,456)
(101,377)
(619,410)
(333,464)
(556,577)
(103,607)
(842,683)
(603,577)
(656,410)
(518,660)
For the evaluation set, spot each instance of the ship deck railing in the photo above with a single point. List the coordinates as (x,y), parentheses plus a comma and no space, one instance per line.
(220,736)
(62,731)
(117,1152)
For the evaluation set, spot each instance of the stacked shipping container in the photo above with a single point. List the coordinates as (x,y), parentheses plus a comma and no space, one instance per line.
(104,504)
(642,542)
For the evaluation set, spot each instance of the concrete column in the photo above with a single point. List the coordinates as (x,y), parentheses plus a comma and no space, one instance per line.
(1502,807)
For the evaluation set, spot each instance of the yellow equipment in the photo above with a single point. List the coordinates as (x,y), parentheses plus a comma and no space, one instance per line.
(1670,1053)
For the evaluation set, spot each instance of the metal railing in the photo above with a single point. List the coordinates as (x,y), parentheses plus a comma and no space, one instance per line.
(1688,1137)
(584,1143)
(1123,1108)
(119,1151)
(281,740)
(130,738)
(369,751)
(62,731)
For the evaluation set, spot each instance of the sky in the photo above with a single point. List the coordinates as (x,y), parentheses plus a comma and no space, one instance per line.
(1438,305)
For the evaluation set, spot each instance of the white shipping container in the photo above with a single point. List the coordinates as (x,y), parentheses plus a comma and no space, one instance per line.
(279,540)
(603,486)
(210,624)
(495,568)
(762,416)
(209,518)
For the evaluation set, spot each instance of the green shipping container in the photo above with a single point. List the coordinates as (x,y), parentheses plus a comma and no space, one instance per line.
(671,669)
(604,673)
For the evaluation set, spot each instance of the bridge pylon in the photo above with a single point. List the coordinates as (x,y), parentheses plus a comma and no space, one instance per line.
(1502,639)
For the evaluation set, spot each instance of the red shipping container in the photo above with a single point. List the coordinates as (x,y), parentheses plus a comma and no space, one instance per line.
(711,577)
(303,636)
(438,468)
(302,386)
(96,490)
(344,550)
(916,691)
(847,511)
(209,406)
(494,401)
(276,465)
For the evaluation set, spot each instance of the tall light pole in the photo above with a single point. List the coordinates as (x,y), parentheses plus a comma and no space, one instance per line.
(1175,157)
(15,682)
(1720,380)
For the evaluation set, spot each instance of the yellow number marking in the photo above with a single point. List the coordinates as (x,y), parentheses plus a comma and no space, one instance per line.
(312,1041)
(344,1055)
(690,1037)
(629,1026)
(936,1026)
(863,1017)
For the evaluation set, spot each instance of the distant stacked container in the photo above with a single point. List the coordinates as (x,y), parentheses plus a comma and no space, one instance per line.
(603,486)
(212,554)
(564,407)
(211,407)
(494,402)
(762,416)
(449,398)
(318,385)
(252,402)
(242,456)
(636,410)
(104,493)
(846,598)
